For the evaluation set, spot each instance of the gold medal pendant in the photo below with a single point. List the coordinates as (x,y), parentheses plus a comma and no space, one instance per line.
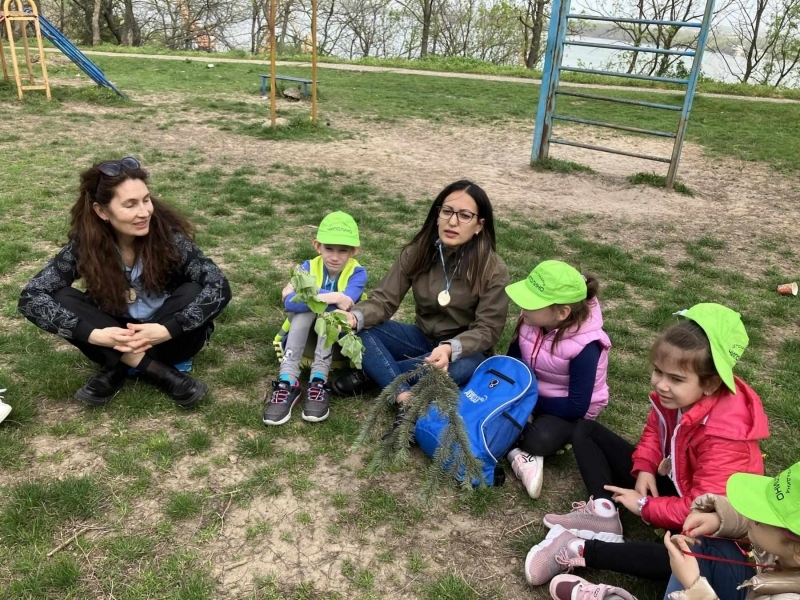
(131,295)
(443,298)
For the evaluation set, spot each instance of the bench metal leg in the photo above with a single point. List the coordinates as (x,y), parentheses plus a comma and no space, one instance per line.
(263,86)
(305,90)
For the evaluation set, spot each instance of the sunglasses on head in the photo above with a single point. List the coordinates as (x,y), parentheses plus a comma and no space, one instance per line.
(112,168)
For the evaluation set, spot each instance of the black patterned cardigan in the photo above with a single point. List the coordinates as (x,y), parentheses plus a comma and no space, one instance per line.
(38,305)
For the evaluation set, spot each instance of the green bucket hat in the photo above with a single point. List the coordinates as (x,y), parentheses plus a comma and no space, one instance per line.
(338,228)
(725,333)
(771,500)
(551,282)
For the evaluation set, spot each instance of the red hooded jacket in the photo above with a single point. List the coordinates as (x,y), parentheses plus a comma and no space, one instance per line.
(716,437)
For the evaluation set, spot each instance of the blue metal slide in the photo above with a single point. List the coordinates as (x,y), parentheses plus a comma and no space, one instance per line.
(55,37)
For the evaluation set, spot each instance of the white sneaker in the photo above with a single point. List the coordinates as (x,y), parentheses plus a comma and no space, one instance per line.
(5,409)
(528,469)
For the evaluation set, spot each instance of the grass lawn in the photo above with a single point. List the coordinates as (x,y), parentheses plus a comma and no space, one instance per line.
(164,503)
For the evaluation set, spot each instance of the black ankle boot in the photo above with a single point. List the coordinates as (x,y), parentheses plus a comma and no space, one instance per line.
(352,383)
(398,420)
(185,391)
(103,386)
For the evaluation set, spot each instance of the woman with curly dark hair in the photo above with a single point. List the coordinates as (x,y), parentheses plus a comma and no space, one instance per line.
(151,295)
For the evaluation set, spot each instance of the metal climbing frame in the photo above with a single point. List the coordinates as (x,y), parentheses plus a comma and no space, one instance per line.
(556,40)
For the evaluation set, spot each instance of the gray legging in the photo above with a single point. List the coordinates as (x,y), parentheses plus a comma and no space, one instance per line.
(302,324)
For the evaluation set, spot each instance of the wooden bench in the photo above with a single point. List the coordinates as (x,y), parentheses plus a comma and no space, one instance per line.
(304,83)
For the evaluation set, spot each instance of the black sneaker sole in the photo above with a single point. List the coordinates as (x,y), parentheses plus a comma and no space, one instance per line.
(284,419)
(191,401)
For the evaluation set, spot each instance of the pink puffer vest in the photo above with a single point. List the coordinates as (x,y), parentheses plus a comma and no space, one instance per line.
(552,368)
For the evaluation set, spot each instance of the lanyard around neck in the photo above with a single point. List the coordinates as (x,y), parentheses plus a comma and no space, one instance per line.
(448,282)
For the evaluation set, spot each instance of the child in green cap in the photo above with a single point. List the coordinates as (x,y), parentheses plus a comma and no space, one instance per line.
(704,425)
(341,282)
(560,336)
(765,510)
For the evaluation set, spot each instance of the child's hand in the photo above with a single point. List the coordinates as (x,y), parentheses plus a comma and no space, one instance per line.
(345,302)
(685,568)
(646,482)
(628,498)
(289,289)
(698,524)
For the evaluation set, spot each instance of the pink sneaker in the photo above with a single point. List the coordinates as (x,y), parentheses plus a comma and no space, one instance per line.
(528,469)
(584,521)
(572,587)
(560,551)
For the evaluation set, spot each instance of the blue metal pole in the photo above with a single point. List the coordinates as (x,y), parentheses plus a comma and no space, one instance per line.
(694,76)
(552,67)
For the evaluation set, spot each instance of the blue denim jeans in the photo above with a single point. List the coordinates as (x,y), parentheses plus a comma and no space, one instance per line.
(392,348)
(723,577)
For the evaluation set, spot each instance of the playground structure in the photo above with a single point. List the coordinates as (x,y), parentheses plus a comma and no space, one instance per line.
(556,40)
(29,15)
(200,37)
(18,14)
(272,58)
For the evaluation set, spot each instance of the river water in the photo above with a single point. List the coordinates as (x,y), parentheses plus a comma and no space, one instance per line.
(598,58)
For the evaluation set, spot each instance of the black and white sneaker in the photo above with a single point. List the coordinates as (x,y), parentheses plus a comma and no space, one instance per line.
(278,409)
(316,408)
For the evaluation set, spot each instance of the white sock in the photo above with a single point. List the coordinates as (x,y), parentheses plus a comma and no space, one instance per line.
(513,454)
(603,507)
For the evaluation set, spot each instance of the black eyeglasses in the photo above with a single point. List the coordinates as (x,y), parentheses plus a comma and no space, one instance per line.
(112,168)
(464,216)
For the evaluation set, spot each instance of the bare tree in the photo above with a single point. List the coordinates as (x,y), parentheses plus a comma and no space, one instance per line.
(533,22)
(96,22)
(667,37)
(367,23)
(766,33)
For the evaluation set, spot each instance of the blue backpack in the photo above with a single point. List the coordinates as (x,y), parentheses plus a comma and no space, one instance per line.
(495,405)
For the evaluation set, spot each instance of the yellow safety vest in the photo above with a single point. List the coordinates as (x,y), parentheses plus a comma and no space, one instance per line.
(317,269)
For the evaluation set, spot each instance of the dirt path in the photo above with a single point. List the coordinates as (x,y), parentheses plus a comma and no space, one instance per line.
(398,71)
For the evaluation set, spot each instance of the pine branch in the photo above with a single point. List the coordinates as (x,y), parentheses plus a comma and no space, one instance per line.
(453,457)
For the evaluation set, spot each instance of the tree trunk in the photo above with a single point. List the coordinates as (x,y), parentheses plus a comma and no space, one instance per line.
(62,14)
(129,24)
(536,35)
(108,17)
(427,15)
(96,23)
(287,11)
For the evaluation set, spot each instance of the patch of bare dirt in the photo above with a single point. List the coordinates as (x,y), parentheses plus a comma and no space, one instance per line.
(734,199)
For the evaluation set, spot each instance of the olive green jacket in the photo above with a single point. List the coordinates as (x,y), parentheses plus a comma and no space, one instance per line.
(470,324)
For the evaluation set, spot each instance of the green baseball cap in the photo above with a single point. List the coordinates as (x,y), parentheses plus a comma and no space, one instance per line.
(726,334)
(771,500)
(338,228)
(551,282)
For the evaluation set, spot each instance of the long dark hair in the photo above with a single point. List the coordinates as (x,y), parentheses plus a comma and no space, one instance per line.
(95,241)
(475,253)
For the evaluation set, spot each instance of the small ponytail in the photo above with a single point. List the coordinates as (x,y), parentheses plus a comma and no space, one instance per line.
(579,311)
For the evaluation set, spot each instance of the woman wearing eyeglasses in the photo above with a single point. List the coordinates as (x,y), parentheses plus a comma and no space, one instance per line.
(151,295)
(458,282)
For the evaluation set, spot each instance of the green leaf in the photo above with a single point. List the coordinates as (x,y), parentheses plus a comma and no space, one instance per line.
(320,326)
(352,348)
(305,287)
